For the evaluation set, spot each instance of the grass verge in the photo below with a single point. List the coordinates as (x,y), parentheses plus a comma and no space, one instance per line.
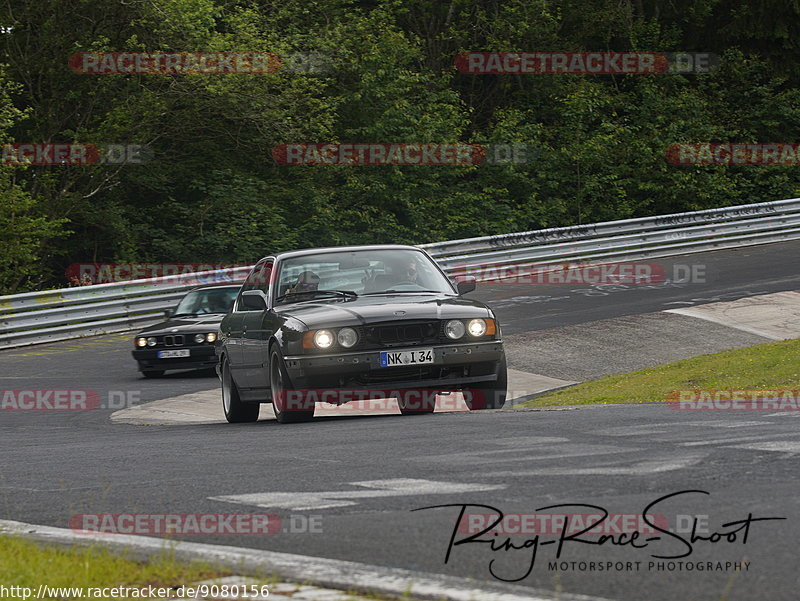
(771,366)
(28,564)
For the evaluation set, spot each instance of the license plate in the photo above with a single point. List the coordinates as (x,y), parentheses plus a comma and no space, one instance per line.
(173,354)
(418,357)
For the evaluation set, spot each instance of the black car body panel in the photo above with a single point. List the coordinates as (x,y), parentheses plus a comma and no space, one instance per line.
(385,321)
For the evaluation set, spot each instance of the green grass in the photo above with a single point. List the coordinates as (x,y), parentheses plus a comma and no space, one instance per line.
(775,365)
(29,564)
(24,563)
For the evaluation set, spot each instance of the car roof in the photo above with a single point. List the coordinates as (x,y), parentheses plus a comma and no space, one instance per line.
(332,249)
(216,287)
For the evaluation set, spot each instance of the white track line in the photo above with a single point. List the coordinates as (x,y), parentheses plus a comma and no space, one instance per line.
(331,573)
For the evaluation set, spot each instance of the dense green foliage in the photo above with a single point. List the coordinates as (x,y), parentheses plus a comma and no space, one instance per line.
(212,191)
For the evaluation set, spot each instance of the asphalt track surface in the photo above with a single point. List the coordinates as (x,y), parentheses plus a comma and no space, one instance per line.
(58,464)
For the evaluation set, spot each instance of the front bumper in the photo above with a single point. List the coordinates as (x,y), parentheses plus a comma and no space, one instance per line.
(455,366)
(200,357)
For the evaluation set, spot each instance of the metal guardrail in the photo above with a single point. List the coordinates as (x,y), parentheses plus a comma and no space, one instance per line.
(68,313)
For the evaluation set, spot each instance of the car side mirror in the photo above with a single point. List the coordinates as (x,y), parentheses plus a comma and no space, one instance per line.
(168,313)
(466,284)
(254,299)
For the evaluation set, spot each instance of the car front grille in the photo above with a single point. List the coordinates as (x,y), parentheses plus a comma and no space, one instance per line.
(402,333)
(176,340)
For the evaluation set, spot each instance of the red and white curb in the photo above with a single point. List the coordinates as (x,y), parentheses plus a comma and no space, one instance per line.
(324,579)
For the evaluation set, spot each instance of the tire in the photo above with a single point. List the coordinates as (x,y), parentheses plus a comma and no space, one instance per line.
(417,402)
(153,373)
(279,385)
(490,395)
(236,412)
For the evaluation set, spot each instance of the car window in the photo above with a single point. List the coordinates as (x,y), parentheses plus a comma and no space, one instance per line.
(258,279)
(363,271)
(211,300)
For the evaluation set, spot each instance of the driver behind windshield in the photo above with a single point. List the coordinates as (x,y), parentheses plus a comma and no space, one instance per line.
(218,302)
(306,281)
(410,272)
(406,272)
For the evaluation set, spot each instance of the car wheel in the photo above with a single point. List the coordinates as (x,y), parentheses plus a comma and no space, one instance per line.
(153,373)
(417,401)
(286,410)
(236,411)
(490,395)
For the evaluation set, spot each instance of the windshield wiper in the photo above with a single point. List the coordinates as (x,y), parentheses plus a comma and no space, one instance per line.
(391,291)
(184,315)
(343,293)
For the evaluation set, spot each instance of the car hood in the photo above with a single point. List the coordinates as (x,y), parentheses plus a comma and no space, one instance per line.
(201,323)
(373,309)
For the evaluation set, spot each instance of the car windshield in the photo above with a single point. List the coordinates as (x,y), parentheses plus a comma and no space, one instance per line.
(199,302)
(395,271)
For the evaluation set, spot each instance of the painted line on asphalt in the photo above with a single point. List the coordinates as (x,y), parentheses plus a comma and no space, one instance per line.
(642,468)
(524,454)
(772,446)
(730,440)
(320,571)
(373,489)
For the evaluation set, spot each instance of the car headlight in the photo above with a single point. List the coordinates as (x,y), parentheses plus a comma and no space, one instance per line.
(198,338)
(211,337)
(324,338)
(476,327)
(347,337)
(454,329)
(151,341)
(141,342)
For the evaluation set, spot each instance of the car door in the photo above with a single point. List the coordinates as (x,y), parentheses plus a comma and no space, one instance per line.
(256,333)
(232,327)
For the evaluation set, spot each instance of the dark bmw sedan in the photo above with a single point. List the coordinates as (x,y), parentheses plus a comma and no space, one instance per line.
(356,323)
(186,339)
